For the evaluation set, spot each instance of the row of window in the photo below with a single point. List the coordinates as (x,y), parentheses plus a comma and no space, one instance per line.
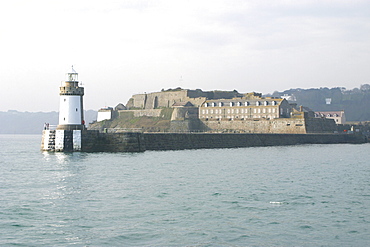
(255,110)
(327,115)
(232,117)
(257,103)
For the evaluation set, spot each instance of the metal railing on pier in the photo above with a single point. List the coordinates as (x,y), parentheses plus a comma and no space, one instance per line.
(50,127)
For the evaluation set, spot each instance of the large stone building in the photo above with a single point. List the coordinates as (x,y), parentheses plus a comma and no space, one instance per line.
(227,111)
(249,106)
(252,113)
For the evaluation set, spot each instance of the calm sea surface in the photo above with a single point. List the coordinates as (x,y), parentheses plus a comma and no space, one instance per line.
(309,195)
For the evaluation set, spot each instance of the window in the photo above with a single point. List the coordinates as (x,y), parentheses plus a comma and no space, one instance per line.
(246,103)
(231,103)
(220,104)
(213,104)
(258,103)
(266,103)
(238,104)
(203,111)
(273,103)
(205,104)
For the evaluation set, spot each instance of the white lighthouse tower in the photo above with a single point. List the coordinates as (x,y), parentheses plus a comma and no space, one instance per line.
(71,115)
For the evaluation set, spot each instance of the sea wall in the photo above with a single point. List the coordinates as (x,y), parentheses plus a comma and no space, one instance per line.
(178,141)
(94,141)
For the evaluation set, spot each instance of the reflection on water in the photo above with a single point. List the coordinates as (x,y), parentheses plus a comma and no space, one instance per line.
(63,157)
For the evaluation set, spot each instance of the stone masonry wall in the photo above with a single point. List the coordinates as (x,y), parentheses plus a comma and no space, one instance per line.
(178,141)
(145,112)
(164,99)
(281,125)
(94,141)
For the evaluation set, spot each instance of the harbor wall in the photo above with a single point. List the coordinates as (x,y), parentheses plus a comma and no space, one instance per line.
(178,141)
(95,141)
(91,141)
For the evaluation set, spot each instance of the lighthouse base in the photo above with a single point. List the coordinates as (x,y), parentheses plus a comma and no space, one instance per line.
(91,141)
(61,140)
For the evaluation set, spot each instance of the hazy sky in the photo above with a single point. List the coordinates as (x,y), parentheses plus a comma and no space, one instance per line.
(121,47)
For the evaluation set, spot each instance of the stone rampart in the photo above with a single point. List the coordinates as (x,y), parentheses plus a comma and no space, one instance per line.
(260,125)
(145,112)
(94,141)
(320,125)
(179,141)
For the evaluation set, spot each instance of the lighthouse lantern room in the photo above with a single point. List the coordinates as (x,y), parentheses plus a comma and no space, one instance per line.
(71,103)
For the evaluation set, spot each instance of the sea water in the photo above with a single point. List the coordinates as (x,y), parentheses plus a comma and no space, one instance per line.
(307,195)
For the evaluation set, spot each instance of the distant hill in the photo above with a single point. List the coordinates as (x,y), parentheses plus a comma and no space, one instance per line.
(355,102)
(15,122)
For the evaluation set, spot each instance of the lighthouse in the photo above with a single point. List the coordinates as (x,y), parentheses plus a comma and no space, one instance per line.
(71,115)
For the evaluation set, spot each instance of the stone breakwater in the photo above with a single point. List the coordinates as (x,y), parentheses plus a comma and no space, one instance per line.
(178,141)
(95,141)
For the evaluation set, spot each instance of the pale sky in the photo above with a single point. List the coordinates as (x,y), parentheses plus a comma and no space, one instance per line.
(122,47)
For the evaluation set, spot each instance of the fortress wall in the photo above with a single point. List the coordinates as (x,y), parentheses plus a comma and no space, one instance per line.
(197,101)
(178,141)
(146,112)
(197,93)
(182,113)
(136,101)
(281,125)
(93,141)
(165,99)
(320,125)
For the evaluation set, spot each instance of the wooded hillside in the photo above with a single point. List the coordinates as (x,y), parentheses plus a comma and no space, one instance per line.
(355,102)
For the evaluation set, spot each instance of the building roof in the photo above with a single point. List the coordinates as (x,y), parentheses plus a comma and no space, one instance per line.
(330,113)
